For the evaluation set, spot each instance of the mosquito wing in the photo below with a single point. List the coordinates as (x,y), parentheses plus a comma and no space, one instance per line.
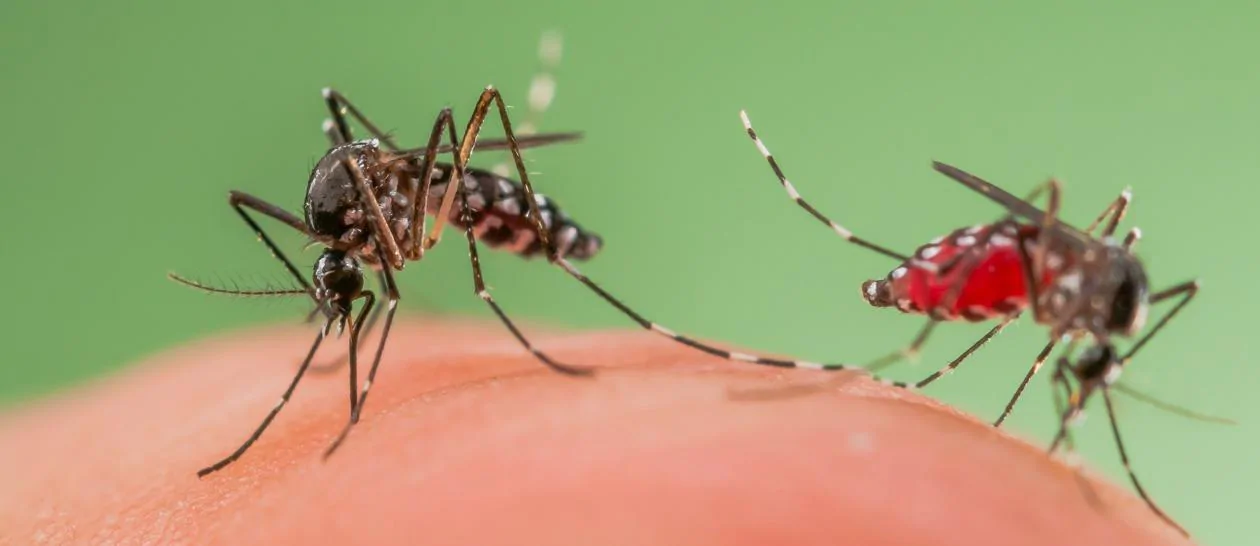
(522,142)
(1015,205)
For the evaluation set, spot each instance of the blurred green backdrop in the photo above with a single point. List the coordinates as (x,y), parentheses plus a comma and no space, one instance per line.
(125,124)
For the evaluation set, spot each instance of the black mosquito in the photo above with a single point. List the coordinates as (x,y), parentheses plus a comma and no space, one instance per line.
(366,202)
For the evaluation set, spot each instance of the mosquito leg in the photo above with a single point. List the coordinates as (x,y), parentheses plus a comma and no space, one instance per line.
(491,95)
(542,90)
(479,286)
(275,410)
(419,243)
(384,236)
(1128,468)
(391,294)
(909,351)
(1132,239)
(1186,290)
(372,318)
(1113,214)
(843,232)
(1036,367)
(1059,379)
(241,201)
(339,106)
(949,368)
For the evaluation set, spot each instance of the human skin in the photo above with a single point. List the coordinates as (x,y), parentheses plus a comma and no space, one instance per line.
(467,440)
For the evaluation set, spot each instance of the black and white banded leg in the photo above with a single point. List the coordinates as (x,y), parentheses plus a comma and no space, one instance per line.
(490,95)
(479,286)
(391,294)
(843,232)
(542,91)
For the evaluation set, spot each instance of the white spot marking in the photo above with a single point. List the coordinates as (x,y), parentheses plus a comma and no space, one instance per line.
(898,273)
(279,403)
(1000,240)
(509,206)
(1071,282)
(1113,374)
(973,230)
(872,290)
(1054,261)
(483,294)
(841,231)
(663,330)
(807,365)
(965,240)
(565,239)
(549,48)
(791,190)
(541,92)
(742,357)
(929,252)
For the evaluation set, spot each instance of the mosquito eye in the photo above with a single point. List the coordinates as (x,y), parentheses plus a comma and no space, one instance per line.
(1128,304)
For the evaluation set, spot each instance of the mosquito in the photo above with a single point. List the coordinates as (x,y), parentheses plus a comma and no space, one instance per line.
(366,203)
(1069,280)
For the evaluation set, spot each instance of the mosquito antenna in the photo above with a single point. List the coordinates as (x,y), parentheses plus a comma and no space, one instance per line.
(1172,408)
(235,291)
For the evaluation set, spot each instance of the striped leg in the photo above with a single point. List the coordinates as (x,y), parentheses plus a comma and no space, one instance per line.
(542,90)
(843,232)
(392,296)
(949,368)
(1128,467)
(491,96)
(284,399)
(1019,391)
(719,352)
(910,351)
(461,163)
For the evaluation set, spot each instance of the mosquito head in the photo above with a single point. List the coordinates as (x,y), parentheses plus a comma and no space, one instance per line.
(333,209)
(877,293)
(338,280)
(1099,364)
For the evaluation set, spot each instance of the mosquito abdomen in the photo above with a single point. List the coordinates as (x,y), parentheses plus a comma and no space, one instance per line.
(500,216)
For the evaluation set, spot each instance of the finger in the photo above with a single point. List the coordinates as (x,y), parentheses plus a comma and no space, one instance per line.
(467,440)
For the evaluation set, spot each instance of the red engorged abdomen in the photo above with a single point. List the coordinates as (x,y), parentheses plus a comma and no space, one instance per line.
(994,286)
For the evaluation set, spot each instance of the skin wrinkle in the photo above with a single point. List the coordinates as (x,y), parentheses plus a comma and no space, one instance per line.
(485,446)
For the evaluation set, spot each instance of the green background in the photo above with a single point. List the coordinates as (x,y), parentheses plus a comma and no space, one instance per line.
(125,123)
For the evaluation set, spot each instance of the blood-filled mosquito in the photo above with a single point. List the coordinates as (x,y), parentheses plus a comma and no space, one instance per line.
(1079,286)
(1075,284)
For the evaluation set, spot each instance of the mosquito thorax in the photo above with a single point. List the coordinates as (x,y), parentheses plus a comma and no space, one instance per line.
(1111,286)
(333,208)
(338,279)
